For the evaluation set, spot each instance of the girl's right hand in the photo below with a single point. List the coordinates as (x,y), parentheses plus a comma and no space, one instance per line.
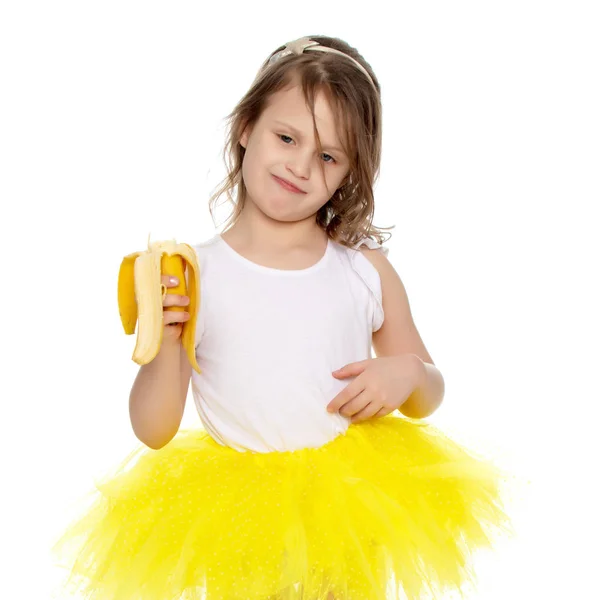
(173,319)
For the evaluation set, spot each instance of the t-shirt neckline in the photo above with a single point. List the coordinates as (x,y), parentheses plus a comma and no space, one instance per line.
(272,270)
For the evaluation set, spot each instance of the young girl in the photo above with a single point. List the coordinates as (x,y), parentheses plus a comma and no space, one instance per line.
(315,477)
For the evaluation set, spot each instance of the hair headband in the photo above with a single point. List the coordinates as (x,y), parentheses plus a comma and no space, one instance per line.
(304,43)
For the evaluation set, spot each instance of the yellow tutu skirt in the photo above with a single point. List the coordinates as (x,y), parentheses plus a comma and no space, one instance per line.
(393,508)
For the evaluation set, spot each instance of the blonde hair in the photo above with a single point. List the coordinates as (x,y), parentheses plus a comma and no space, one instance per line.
(348,215)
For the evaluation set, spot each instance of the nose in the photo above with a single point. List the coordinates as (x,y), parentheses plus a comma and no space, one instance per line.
(299,164)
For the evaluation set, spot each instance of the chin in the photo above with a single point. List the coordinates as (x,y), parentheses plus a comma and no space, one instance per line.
(280,206)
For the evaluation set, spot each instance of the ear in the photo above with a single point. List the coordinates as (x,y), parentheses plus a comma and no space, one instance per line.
(245,135)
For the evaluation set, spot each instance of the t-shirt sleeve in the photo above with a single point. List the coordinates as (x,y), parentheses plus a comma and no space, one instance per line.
(370,277)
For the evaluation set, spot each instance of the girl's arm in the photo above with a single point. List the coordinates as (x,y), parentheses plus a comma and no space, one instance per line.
(399,335)
(428,394)
(158,395)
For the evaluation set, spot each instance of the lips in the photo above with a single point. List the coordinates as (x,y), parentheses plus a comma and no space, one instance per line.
(288,185)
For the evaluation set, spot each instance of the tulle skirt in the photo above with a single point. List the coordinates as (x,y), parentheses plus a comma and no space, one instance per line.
(393,508)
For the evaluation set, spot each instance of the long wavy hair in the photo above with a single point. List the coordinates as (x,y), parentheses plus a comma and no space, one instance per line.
(347,217)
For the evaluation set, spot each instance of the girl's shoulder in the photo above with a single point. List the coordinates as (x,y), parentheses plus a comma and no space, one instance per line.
(370,244)
(206,247)
(366,256)
(366,271)
(369,252)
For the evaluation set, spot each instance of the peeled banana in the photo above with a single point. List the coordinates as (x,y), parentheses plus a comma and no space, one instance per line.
(141,294)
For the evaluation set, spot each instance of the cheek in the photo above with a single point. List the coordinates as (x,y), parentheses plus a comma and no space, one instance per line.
(251,166)
(256,172)
(260,161)
(333,182)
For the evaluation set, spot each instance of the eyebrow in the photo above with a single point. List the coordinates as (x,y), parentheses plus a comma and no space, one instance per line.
(299,134)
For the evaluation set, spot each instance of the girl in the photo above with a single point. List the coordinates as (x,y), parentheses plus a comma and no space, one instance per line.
(307,482)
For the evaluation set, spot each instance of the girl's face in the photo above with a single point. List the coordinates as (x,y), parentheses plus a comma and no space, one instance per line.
(282,144)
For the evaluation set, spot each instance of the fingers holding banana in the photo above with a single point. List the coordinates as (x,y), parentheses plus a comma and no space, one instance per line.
(173,303)
(150,298)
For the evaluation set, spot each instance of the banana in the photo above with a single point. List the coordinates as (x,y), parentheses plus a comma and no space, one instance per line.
(141,294)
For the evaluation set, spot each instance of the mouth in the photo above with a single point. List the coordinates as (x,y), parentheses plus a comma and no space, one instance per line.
(286,185)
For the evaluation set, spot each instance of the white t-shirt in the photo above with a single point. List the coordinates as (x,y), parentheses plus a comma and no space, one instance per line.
(267,341)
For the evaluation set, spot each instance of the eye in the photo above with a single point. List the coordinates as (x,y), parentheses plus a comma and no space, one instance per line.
(282,135)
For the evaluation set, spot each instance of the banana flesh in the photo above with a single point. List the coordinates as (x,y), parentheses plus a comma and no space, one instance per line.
(141,294)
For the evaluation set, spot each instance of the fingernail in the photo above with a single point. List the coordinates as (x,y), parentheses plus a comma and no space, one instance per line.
(174,280)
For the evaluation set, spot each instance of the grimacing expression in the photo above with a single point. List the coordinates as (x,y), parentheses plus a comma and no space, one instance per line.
(282,144)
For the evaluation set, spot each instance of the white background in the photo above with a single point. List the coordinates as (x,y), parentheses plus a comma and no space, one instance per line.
(111,128)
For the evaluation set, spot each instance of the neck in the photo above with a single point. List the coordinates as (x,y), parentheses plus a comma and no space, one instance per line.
(259,231)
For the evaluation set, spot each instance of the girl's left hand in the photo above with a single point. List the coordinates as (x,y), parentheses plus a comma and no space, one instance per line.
(383,385)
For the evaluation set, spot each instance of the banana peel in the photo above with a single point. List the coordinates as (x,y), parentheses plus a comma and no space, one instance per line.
(141,294)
